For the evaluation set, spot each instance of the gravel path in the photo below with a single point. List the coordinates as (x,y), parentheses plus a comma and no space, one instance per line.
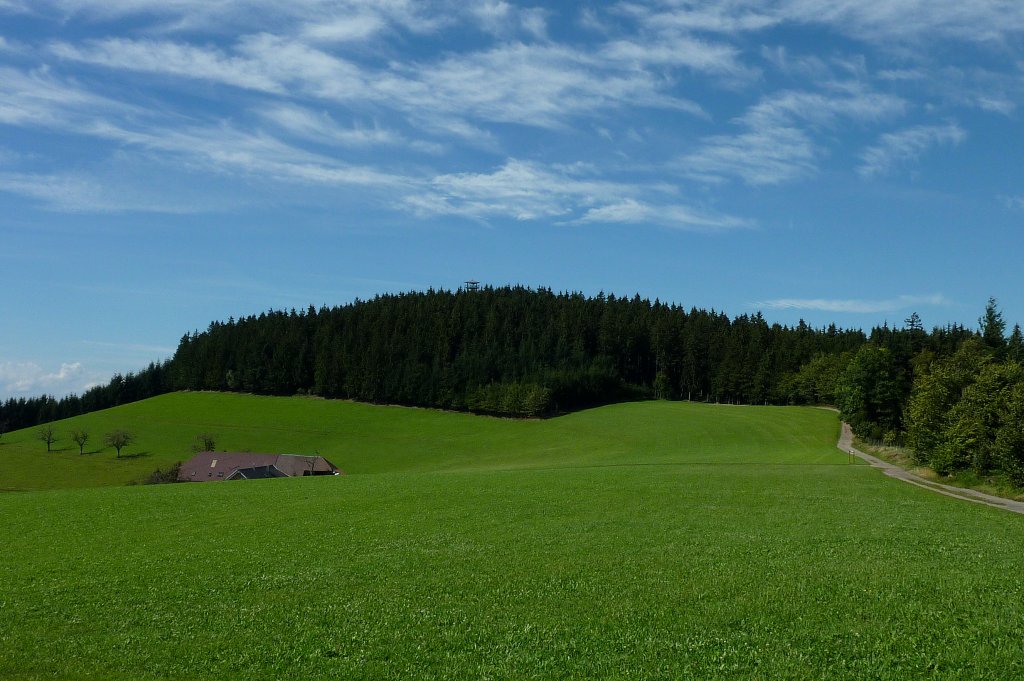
(846,444)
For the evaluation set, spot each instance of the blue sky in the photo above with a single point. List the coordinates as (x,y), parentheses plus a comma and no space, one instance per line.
(166,163)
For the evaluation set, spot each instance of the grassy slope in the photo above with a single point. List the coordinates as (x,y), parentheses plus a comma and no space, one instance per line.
(362,438)
(511,568)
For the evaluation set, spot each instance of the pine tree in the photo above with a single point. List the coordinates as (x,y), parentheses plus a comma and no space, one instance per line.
(992,326)
(1015,346)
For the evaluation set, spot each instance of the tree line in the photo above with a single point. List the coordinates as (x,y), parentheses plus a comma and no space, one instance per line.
(966,410)
(511,351)
(522,352)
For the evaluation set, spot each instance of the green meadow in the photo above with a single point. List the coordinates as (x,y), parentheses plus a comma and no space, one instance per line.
(362,438)
(636,541)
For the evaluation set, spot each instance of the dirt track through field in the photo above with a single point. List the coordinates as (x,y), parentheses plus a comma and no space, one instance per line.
(846,444)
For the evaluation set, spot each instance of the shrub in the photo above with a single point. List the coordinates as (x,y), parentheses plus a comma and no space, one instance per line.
(159,477)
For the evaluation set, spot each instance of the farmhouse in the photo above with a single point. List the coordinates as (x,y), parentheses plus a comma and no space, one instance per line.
(213,466)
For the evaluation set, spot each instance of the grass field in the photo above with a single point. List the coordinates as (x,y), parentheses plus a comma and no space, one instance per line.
(361,438)
(653,540)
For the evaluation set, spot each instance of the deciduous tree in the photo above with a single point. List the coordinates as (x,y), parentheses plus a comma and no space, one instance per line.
(118,439)
(80,437)
(1009,445)
(935,392)
(868,392)
(48,435)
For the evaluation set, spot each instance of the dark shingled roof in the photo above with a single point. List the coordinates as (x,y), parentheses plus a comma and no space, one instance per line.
(209,466)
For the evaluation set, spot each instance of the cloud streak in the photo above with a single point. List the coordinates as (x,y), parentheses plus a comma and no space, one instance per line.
(526,191)
(674,216)
(903,302)
(898,148)
(538,85)
(876,21)
(519,189)
(78,193)
(776,145)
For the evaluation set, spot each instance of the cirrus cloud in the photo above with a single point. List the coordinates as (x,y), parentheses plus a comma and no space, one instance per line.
(896,148)
(853,305)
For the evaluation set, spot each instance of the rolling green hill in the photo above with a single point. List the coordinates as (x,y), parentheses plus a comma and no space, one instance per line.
(648,540)
(362,438)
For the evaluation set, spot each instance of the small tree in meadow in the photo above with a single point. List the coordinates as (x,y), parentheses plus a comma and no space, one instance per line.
(118,439)
(80,437)
(48,435)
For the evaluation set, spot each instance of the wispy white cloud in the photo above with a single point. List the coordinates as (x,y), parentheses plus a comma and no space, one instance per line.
(838,101)
(896,304)
(234,16)
(40,99)
(77,193)
(1000,104)
(776,145)
(679,50)
(322,100)
(885,20)
(524,190)
(261,62)
(507,20)
(537,84)
(170,58)
(347,29)
(320,126)
(21,378)
(519,189)
(896,148)
(811,67)
(724,17)
(876,21)
(540,85)
(954,86)
(225,148)
(902,75)
(766,156)
(1013,202)
(632,212)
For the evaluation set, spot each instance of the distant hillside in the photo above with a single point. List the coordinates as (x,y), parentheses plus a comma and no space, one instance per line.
(363,438)
(508,351)
(954,395)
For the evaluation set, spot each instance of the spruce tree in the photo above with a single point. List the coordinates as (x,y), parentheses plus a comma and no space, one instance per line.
(993,327)
(1015,346)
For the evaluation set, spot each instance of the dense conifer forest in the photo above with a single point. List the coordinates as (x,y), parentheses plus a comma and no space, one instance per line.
(954,394)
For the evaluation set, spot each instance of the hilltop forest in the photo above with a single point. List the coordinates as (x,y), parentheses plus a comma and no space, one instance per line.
(955,395)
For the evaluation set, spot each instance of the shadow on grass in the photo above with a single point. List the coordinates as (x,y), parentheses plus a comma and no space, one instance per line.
(133,455)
